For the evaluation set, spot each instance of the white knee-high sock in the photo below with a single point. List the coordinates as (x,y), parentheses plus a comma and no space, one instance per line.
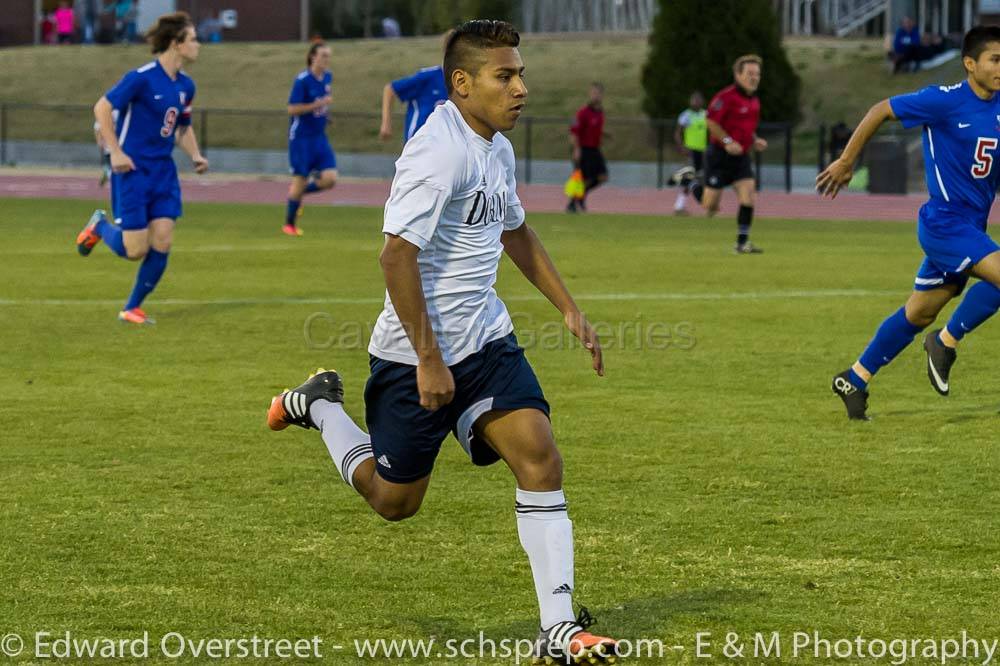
(546,534)
(681,200)
(349,445)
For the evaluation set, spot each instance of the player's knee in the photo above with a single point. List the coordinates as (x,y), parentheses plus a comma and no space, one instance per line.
(136,254)
(327,182)
(921,314)
(921,317)
(397,511)
(542,468)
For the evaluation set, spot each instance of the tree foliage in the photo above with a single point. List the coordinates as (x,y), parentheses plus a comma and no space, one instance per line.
(693,45)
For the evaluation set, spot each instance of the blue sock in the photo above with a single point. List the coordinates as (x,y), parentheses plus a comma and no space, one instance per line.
(980,303)
(890,339)
(150,271)
(111,234)
(855,379)
(312,187)
(293,209)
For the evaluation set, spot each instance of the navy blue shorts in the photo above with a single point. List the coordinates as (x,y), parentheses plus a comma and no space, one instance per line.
(953,241)
(150,191)
(308,154)
(406,437)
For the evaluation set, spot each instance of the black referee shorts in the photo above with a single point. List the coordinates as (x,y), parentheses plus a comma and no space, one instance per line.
(723,169)
(592,164)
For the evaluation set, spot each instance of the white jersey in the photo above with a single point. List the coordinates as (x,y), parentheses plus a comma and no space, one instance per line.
(454,193)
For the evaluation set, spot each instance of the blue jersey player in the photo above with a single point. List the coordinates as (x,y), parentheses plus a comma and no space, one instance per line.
(313,163)
(154,110)
(961,133)
(422,93)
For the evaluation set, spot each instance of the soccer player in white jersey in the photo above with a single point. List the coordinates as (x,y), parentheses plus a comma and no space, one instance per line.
(443,354)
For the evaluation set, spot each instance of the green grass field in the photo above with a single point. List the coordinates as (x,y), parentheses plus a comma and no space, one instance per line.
(714,486)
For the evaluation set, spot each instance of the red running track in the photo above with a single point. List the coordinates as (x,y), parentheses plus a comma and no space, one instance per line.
(539,198)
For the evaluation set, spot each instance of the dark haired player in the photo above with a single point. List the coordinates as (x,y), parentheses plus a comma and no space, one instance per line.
(311,159)
(961,133)
(154,107)
(444,358)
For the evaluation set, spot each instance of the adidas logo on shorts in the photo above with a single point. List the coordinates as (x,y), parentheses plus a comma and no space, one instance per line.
(384,461)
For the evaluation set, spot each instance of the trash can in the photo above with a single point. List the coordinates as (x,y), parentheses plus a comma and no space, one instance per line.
(887,166)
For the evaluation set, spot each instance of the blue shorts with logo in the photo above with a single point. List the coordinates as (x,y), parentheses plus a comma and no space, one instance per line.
(953,239)
(406,437)
(149,191)
(307,154)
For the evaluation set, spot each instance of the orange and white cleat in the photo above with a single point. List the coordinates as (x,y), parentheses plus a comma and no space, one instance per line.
(291,230)
(135,316)
(291,406)
(88,238)
(570,643)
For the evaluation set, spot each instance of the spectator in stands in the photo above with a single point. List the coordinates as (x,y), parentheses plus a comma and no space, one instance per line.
(48,29)
(65,23)
(906,51)
(210,29)
(126,14)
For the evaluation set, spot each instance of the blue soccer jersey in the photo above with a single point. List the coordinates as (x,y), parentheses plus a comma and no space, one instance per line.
(961,135)
(150,107)
(306,90)
(422,92)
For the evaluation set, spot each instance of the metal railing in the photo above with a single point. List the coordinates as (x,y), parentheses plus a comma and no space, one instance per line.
(644,145)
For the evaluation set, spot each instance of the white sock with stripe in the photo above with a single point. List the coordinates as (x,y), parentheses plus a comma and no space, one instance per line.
(349,445)
(546,534)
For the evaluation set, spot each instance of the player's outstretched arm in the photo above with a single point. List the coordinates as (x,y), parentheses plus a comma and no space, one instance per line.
(189,144)
(528,254)
(402,280)
(388,94)
(839,173)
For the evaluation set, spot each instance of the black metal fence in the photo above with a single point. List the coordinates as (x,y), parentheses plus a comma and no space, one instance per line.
(648,144)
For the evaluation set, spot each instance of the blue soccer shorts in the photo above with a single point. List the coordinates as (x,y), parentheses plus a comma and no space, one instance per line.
(406,437)
(150,191)
(309,154)
(953,241)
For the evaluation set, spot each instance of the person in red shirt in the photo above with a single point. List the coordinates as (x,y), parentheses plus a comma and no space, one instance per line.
(585,134)
(733,115)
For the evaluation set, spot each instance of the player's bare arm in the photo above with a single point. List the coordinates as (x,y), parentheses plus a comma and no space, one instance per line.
(528,254)
(188,142)
(120,162)
(402,280)
(715,129)
(388,94)
(841,170)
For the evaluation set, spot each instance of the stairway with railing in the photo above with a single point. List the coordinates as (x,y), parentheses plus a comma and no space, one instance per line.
(849,15)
